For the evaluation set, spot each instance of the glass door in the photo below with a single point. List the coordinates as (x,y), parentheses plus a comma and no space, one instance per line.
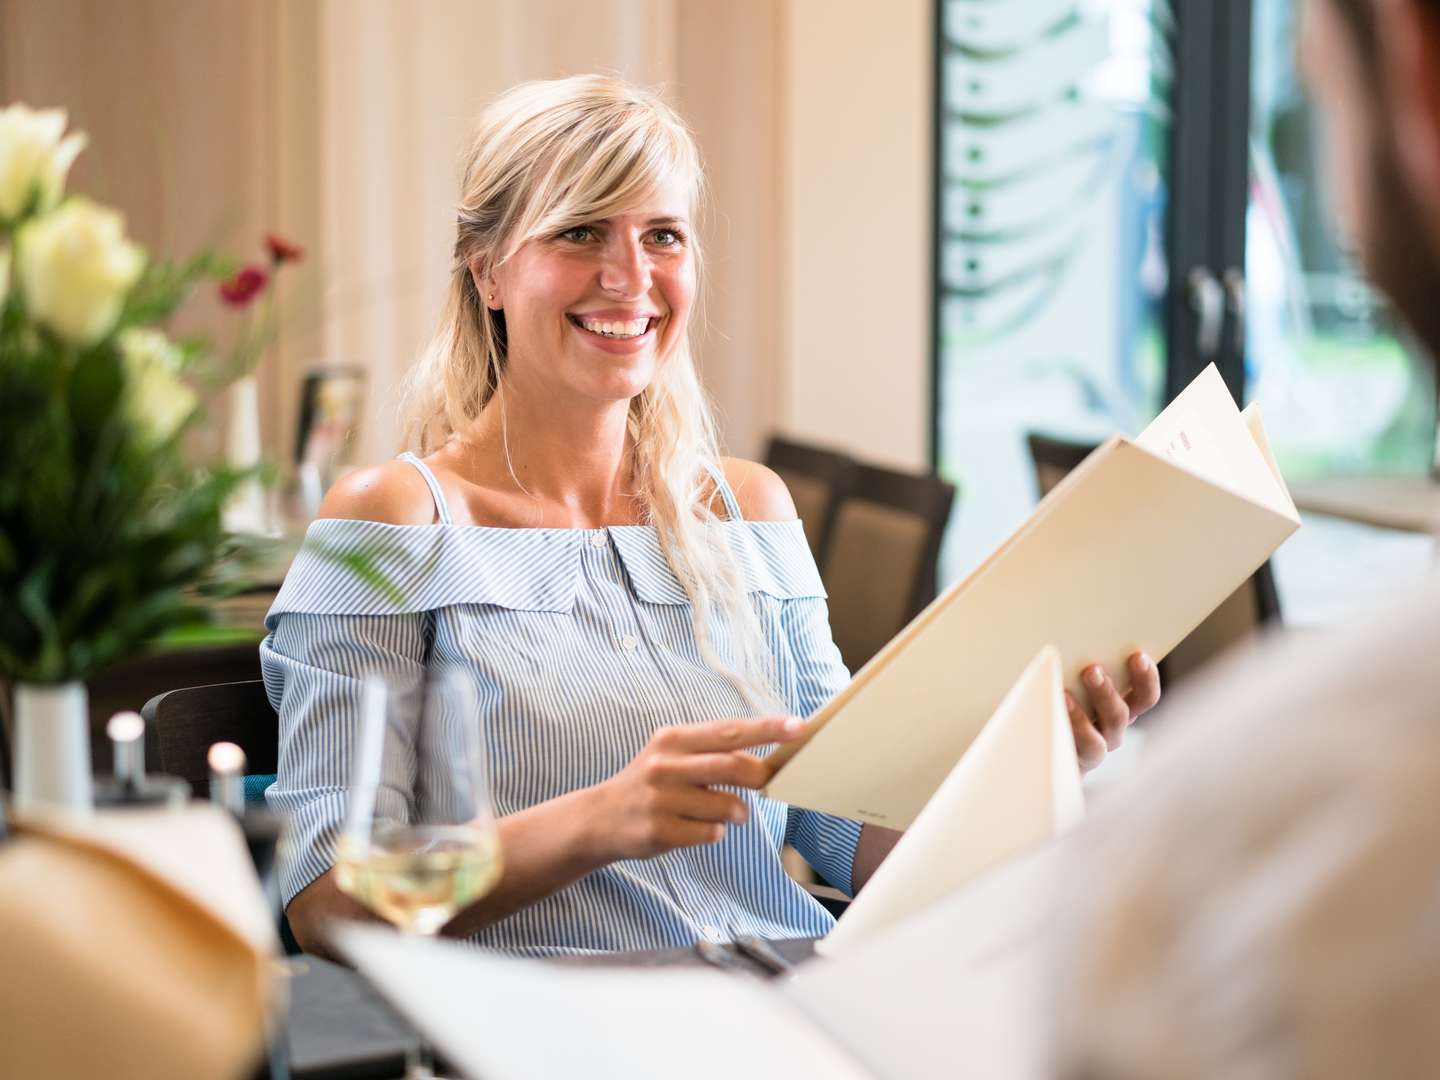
(1127,191)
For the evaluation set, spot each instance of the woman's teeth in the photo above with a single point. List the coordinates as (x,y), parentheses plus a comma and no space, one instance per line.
(631,329)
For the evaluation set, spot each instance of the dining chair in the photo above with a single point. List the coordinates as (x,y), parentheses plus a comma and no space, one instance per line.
(1054,458)
(818,480)
(1252,607)
(181,725)
(880,562)
(131,683)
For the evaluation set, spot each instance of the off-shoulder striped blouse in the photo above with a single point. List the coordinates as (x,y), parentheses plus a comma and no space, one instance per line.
(580,644)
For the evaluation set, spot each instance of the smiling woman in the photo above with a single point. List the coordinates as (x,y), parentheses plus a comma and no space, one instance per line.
(629,605)
(633,609)
(573,221)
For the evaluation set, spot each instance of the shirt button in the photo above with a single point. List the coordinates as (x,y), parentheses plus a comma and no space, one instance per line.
(597,539)
(712,932)
(628,642)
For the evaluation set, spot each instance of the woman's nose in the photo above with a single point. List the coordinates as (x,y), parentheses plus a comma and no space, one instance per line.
(626,270)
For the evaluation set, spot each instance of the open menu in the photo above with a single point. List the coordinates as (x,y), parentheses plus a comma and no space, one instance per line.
(508,1019)
(1016,788)
(1130,552)
(957,991)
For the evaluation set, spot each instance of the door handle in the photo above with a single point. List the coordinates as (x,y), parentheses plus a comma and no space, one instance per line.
(1235,300)
(1207,300)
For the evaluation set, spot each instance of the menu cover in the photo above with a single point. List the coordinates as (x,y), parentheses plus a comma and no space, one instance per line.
(1130,552)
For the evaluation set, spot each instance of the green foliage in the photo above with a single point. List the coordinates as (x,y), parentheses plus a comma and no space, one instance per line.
(103,531)
(164,285)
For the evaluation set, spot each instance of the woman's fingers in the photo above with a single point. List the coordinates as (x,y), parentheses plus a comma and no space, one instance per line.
(1144,693)
(1112,711)
(736,734)
(703,804)
(686,816)
(736,768)
(1089,743)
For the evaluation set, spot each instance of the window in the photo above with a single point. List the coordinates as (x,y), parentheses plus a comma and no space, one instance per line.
(1127,191)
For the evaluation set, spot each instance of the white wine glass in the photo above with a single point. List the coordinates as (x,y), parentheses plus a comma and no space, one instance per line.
(419,842)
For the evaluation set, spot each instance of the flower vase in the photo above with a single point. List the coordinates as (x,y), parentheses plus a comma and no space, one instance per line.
(245,512)
(52,748)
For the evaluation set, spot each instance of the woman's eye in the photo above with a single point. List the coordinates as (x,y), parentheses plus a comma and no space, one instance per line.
(667,237)
(579,234)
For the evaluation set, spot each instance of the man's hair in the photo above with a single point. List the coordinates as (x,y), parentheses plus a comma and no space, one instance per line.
(1358,16)
(1402,259)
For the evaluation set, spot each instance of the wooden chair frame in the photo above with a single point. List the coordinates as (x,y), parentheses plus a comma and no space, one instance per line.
(831,468)
(182,724)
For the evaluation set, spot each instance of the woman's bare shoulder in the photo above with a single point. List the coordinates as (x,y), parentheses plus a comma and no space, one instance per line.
(394,493)
(762,495)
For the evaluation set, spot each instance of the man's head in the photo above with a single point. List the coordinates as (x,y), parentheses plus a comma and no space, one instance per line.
(1373,66)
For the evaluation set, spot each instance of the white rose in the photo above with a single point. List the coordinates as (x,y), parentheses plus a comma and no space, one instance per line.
(35,155)
(74,267)
(157,400)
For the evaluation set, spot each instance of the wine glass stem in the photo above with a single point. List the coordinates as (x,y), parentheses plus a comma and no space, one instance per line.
(419,1061)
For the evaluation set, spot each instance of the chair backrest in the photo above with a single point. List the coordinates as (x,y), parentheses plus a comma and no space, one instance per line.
(184,723)
(879,566)
(131,683)
(1054,458)
(1249,608)
(818,480)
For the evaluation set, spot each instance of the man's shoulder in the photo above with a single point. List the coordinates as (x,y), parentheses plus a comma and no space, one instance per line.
(1272,734)
(1277,836)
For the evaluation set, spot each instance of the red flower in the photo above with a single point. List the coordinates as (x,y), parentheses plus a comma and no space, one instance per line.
(243,286)
(282,250)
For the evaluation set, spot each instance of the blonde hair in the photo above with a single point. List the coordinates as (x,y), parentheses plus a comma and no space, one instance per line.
(547,156)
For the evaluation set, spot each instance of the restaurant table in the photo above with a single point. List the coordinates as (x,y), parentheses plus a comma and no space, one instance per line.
(341,1028)
(1408,502)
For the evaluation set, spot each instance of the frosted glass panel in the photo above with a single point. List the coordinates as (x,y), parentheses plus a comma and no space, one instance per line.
(1053,266)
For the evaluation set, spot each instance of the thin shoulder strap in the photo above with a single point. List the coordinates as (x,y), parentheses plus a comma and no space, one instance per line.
(441,506)
(732,505)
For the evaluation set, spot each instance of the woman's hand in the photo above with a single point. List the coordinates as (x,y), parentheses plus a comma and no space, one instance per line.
(1098,733)
(665,798)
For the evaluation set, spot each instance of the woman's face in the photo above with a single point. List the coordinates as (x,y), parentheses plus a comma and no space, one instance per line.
(594,311)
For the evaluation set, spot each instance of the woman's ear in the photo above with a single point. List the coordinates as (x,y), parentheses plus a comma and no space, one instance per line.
(485,284)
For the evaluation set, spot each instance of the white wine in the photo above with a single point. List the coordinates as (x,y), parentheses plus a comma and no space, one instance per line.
(419,876)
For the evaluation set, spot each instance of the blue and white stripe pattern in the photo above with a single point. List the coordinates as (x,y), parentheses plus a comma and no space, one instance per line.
(580,645)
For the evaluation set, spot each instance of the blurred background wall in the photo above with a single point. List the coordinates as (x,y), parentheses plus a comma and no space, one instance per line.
(1089,185)
(339,123)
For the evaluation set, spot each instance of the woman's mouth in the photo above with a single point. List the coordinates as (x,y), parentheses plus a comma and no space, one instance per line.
(615,329)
